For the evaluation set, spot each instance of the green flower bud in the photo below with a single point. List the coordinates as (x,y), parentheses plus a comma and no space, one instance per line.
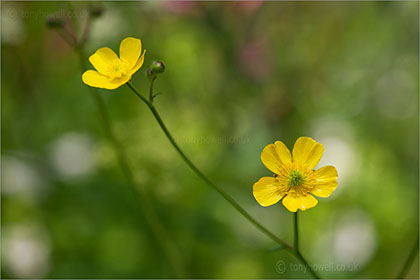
(53,21)
(157,67)
(96,11)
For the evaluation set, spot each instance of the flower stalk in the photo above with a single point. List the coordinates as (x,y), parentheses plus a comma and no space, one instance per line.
(296,231)
(296,246)
(152,81)
(216,187)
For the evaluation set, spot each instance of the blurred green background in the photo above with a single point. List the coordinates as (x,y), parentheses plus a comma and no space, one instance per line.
(239,75)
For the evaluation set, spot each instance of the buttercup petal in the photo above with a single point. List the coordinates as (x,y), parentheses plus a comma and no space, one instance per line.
(283,152)
(138,64)
(325,182)
(94,79)
(275,155)
(102,59)
(130,50)
(267,191)
(307,152)
(293,203)
(116,83)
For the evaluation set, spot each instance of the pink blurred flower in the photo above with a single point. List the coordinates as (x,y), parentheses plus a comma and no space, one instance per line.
(179,7)
(249,6)
(252,58)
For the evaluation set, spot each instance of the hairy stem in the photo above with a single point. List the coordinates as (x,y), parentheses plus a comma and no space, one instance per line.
(217,188)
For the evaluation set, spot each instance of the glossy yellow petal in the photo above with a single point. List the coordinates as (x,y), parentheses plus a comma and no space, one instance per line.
(325,181)
(103,59)
(267,191)
(270,158)
(275,155)
(293,203)
(283,152)
(138,64)
(130,50)
(307,152)
(117,82)
(94,79)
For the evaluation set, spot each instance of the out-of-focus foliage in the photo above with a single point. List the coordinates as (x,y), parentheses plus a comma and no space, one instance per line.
(239,75)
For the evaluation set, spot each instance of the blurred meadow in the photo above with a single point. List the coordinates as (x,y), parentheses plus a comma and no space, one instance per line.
(239,75)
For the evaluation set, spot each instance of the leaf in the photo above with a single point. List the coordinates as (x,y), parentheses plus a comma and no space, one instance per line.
(156,94)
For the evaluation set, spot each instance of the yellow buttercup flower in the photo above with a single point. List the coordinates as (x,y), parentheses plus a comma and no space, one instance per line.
(294,176)
(113,71)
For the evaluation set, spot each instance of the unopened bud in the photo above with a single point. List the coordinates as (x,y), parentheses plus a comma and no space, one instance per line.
(157,67)
(96,11)
(53,21)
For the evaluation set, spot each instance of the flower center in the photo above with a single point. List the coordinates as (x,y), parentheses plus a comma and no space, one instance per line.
(118,69)
(296,178)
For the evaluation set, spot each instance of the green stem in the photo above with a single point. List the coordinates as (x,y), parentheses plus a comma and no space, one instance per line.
(203,177)
(296,247)
(218,189)
(409,260)
(152,81)
(296,231)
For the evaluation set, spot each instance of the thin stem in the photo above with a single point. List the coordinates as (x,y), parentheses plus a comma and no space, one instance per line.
(152,81)
(296,231)
(409,260)
(296,246)
(306,264)
(226,196)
